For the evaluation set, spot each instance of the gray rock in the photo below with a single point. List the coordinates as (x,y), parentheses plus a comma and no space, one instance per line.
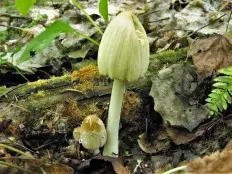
(172,91)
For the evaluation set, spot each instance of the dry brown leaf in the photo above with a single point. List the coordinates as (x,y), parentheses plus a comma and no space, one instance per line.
(211,54)
(154,143)
(58,169)
(215,163)
(183,136)
(4,125)
(102,164)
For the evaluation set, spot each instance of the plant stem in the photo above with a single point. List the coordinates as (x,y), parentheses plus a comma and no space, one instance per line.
(78,5)
(175,170)
(111,146)
(15,166)
(96,152)
(87,37)
(12,148)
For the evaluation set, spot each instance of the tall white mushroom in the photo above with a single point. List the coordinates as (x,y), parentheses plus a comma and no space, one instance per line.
(123,55)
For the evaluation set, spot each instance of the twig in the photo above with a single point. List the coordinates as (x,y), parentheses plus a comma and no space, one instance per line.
(159,20)
(207,25)
(12,27)
(12,149)
(17,17)
(175,169)
(228,21)
(11,89)
(22,17)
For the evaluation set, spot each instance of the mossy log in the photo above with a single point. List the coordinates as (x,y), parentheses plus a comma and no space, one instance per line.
(73,97)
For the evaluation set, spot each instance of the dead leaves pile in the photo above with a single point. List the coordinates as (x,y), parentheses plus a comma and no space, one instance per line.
(211,54)
(218,162)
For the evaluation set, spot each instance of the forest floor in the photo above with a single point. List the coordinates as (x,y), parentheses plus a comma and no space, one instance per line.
(49,85)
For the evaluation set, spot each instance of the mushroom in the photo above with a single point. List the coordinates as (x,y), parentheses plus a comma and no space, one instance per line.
(92,133)
(123,55)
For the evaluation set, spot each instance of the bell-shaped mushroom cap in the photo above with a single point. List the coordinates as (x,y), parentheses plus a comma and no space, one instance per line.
(92,133)
(124,49)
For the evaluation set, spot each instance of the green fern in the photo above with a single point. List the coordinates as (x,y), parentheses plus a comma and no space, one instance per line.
(220,96)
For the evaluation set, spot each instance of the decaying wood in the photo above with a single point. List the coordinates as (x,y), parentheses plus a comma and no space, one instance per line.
(70,98)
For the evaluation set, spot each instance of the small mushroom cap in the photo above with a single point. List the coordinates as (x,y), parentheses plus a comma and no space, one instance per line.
(124,49)
(92,133)
(76,133)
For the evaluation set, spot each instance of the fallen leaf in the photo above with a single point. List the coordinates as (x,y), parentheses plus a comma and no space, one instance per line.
(58,169)
(183,136)
(102,164)
(4,125)
(154,143)
(211,54)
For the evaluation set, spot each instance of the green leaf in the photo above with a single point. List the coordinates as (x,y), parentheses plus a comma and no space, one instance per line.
(208,100)
(211,113)
(23,6)
(44,39)
(227,71)
(221,85)
(224,103)
(225,79)
(212,107)
(2,60)
(227,97)
(103,9)
(213,95)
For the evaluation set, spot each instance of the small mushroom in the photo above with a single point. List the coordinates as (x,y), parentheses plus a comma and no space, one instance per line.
(123,55)
(92,133)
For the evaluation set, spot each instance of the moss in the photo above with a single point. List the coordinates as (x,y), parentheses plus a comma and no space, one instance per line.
(130,106)
(84,78)
(49,82)
(41,93)
(3,89)
(197,4)
(162,59)
(84,63)
(170,56)
(3,35)
(75,111)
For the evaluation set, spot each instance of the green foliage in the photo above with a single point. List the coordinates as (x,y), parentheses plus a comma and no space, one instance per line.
(23,6)
(3,35)
(46,37)
(170,56)
(103,9)
(220,96)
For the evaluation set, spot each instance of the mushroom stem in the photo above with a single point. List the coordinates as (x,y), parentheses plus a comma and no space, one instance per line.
(111,146)
(96,151)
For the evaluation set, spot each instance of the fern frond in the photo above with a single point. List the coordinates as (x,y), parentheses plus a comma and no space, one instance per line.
(226,71)
(220,96)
